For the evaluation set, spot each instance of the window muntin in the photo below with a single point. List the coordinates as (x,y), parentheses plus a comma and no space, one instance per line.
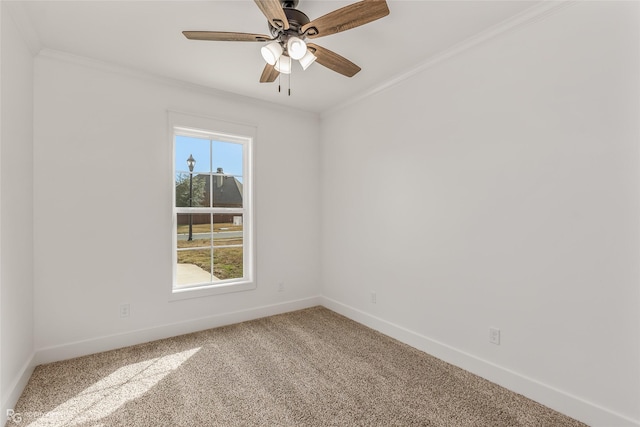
(212,215)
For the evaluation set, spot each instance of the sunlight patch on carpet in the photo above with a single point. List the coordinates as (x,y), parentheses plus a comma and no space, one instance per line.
(107,395)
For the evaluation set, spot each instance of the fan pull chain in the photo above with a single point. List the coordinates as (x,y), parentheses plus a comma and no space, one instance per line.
(290,83)
(279,80)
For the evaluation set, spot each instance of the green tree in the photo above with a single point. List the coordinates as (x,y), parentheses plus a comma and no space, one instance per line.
(182,190)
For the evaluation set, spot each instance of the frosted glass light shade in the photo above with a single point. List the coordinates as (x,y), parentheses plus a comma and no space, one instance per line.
(308,59)
(271,52)
(296,48)
(283,65)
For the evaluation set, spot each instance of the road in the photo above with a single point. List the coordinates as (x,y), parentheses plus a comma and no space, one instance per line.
(216,235)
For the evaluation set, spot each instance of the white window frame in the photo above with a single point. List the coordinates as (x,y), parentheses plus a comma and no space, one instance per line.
(204,127)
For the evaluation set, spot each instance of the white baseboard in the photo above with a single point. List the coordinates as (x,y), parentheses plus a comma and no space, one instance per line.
(111,342)
(17,386)
(563,402)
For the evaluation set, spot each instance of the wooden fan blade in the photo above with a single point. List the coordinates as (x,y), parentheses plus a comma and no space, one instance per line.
(269,74)
(333,61)
(272,9)
(346,18)
(224,36)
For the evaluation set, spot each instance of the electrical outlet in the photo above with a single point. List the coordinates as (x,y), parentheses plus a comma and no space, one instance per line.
(125,310)
(494,336)
(374,297)
(281,287)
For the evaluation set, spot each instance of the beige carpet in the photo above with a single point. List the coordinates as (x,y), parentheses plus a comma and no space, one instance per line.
(307,368)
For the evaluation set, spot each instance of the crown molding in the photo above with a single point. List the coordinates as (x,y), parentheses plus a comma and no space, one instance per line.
(109,67)
(20,16)
(531,15)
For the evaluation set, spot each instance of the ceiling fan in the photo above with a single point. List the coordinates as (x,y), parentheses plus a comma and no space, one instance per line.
(290,28)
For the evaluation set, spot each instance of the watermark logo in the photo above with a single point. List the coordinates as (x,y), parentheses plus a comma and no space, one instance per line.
(13,416)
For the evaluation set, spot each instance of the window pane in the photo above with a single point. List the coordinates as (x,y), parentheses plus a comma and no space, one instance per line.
(227,229)
(227,263)
(192,190)
(227,191)
(202,194)
(199,148)
(228,157)
(227,174)
(194,266)
(194,230)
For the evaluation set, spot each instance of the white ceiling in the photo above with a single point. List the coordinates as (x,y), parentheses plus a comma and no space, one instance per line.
(146,36)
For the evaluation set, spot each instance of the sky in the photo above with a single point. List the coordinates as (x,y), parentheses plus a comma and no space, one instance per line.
(226,155)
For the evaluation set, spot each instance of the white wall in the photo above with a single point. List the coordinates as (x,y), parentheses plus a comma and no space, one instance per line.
(102,221)
(499,188)
(16,219)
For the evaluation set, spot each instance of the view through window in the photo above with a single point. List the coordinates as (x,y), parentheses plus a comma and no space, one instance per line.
(211,213)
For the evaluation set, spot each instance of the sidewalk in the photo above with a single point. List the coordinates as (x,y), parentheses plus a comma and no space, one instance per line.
(190,274)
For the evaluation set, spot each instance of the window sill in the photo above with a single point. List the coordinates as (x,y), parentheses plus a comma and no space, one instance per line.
(210,290)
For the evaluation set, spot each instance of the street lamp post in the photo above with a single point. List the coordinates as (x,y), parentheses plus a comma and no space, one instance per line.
(191,162)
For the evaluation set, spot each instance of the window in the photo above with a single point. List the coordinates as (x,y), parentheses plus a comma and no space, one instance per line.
(212,216)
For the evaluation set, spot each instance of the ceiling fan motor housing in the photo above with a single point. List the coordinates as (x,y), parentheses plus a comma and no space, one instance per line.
(296,20)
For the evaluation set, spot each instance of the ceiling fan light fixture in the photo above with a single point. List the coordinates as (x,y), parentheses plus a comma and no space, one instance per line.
(283,65)
(271,52)
(308,59)
(296,47)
